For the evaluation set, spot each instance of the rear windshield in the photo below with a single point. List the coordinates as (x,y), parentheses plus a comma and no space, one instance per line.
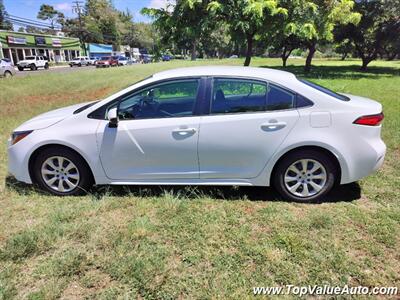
(105,58)
(325,90)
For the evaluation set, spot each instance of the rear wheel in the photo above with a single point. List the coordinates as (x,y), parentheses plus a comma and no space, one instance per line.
(20,68)
(62,172)
(46,66)
(7,74)
(305,176)
(33,67)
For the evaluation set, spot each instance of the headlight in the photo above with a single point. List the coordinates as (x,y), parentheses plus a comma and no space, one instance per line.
(106,63)
(19,135)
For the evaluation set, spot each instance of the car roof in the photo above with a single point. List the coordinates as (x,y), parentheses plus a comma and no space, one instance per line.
(251,72)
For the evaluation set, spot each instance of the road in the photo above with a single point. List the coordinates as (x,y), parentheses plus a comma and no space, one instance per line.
(58,69)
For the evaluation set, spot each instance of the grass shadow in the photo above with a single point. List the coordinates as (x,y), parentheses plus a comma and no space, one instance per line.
(341,193)
(337,72)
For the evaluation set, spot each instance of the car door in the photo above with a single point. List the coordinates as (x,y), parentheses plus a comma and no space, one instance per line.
(248,121)
(157,134)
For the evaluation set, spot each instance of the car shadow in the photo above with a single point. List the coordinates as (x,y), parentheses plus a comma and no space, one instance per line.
(336,72)
(340,193)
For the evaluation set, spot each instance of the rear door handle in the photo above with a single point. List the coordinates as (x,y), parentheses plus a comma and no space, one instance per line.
(270,126)
(184,130)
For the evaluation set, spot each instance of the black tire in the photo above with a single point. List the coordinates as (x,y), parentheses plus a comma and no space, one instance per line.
(20,68)
(79,65)
(33,67)
(8,74)
(85,181)
(46,66)
(319,156)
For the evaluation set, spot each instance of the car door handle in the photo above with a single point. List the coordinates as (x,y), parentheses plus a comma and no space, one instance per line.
(184,130)
(270,126)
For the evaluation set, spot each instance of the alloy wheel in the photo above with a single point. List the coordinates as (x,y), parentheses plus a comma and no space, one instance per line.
(60,174)
(305,178)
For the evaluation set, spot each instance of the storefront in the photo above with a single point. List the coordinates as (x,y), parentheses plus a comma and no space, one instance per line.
(99,50)
(16,46)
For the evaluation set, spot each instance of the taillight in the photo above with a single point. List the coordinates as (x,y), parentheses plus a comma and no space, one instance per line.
(370,120)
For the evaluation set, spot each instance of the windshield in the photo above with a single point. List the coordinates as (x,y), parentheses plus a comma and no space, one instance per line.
(29,57)
(325,90)
(105,58)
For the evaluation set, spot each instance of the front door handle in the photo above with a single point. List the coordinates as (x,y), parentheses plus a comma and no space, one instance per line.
(271,126)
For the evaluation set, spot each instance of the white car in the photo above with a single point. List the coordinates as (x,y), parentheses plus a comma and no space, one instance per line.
(33,63)
(80,61)
(205,126)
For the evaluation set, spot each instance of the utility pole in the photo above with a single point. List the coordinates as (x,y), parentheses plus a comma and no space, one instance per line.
(77,8)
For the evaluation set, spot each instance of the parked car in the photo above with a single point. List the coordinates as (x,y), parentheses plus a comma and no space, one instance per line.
(93,60)
(122,60)
(6,68)
(146,58)
(33,63)
(234,56)
(80,61)
(205,125)
(166,57)
(107,61)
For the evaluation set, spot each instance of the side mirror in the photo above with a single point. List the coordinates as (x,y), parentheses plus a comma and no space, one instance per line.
(112,117)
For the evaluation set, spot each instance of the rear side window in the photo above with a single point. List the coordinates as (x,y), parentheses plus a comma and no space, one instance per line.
(236,95)
(241,95)
(279,98)
(325,90)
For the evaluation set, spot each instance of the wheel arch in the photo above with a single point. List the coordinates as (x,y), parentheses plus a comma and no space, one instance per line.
(328,152)
(35,153)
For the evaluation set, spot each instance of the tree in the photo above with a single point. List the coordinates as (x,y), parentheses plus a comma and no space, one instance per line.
(184,23)
(320,21)
(246,18)
(48,13)
(4,23)
(377,30)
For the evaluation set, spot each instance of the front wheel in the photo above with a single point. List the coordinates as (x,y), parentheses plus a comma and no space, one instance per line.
(46,66)
(20,68)
(33,67)
(7,74)
(62,172)
(305,175)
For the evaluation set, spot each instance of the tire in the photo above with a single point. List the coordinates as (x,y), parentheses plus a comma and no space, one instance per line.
(46,66)
(303,186)
(79,175)
(7,74)
(33,67)
(79,65)
(20,68)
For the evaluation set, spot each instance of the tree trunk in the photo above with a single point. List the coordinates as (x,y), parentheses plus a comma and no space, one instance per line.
(365,62)
(194,50)
(391,57)
(249,50)
(344,56)
(285,55)
(311,51)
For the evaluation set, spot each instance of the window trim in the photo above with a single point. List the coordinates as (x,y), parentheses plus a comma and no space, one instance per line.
(200,92)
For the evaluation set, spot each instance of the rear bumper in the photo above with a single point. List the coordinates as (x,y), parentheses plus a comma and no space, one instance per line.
(368,158)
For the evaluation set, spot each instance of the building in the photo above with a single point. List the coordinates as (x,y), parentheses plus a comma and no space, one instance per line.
(17,45)
(99,50)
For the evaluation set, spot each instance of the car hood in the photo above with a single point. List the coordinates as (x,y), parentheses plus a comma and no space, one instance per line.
(25,61)
(49,118)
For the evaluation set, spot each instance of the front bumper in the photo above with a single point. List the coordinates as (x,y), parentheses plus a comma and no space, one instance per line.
(18,161)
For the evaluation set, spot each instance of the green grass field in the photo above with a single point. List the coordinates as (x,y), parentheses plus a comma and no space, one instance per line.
(192,242)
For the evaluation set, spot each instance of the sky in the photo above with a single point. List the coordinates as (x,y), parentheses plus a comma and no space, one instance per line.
(29,8)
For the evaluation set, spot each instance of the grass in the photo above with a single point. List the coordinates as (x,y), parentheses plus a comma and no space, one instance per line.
(195,242)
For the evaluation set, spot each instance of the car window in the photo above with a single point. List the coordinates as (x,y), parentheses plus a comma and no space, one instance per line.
(237,95)
(279,98)
(166,100)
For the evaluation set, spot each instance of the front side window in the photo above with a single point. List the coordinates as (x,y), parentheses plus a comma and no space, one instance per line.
(241,95)
(166,100)
(237,95)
